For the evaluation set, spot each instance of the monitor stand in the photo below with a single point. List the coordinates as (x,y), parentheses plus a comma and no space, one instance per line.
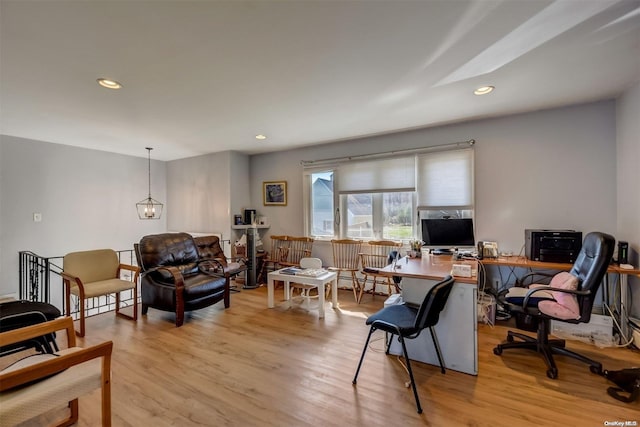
(442,251)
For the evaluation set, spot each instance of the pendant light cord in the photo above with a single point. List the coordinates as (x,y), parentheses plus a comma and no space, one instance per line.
(149,169)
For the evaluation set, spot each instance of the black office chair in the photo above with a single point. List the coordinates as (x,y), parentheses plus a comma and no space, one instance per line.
(23,313)
(568,298)
(407,322)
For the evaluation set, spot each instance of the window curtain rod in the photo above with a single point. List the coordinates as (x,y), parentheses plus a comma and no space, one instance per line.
(440,147)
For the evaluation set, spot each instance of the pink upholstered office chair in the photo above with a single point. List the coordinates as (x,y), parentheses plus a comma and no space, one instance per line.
(568,298)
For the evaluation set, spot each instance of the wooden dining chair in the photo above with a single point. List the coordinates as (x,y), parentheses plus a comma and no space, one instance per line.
(346,257)
(377,257)
(275,257)
(298,248)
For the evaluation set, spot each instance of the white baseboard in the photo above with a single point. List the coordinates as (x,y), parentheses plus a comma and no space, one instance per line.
(8,297)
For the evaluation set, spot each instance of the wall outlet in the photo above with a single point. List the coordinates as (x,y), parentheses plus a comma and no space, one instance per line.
(37,217)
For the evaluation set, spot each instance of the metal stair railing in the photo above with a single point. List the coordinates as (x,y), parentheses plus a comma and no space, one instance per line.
(37,274)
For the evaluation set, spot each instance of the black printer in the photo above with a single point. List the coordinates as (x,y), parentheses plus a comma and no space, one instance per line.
(552,245)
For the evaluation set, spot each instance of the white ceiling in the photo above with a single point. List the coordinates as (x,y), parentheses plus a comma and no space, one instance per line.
(207,76)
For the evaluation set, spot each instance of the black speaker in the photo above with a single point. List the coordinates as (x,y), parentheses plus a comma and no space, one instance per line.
(249,216)
(623,252)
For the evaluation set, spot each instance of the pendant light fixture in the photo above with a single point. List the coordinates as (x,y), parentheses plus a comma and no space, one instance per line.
(149,208)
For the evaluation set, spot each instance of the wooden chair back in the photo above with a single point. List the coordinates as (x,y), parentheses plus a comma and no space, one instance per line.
(346,253)
(275,257)
(299,247)
(378,254)
(279,249)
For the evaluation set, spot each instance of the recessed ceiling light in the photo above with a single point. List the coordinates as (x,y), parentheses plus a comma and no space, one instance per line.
(483,90)
(261,136)
(109,84)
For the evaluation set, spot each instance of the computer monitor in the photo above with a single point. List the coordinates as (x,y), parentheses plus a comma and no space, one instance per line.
(443,235)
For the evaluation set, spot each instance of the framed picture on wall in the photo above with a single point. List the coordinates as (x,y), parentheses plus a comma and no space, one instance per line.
(274,193)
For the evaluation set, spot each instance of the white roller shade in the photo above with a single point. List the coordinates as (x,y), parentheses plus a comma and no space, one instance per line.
(377,176)
(446,179)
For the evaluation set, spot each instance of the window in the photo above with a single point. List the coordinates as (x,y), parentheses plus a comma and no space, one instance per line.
(322,219)
(446,180)
(378,215)
(397,210)
(378,199)
(358,213)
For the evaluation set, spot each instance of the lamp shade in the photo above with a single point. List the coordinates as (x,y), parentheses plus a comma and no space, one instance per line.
(149,208)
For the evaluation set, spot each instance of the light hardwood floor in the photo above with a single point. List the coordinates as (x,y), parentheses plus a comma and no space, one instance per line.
(253,366)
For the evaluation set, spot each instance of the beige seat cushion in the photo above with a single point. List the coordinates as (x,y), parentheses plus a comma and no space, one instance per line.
(103,287)
(26,402)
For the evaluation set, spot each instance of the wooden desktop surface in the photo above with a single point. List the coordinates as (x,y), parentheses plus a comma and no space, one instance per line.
(523,262)
(434,267)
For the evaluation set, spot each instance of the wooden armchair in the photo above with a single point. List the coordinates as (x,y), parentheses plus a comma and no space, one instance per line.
(377,258)
(90,274)
(42,382)
(299,247)
(275,257)
(346,257)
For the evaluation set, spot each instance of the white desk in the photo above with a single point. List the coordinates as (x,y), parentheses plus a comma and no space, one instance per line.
(457,328)
(319,282)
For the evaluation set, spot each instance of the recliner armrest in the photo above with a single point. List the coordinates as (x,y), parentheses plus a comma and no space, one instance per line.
(166,275)
(213,267)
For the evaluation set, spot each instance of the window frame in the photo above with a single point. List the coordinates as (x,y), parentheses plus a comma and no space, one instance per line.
(307,201)
(340,226)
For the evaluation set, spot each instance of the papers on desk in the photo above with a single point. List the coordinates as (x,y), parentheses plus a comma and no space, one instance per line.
(306,272)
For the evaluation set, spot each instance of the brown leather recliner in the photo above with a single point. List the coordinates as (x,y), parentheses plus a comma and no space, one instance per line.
(209,249)
(173,278)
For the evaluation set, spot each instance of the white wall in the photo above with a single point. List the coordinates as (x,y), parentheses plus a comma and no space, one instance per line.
(86,197)
(628,177)
(547,169)
(198,190)
(552,169)
(205,191)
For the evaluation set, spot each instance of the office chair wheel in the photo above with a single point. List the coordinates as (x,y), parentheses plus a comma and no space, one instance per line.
(595,369)
(552,373)
(509,338)
(497,350)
